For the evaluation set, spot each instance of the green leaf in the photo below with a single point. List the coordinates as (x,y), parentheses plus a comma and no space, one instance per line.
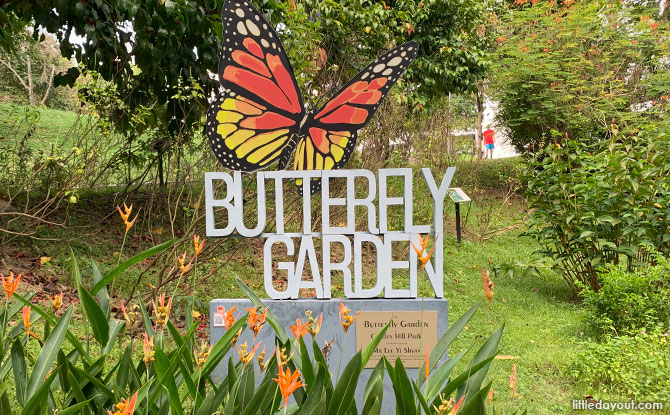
(282,334)
(460,380)
(440,375)
(487,351)
(346,386)
(115,327)
(370,348)
(306,367)
(148,325)
(166,378)
(102,295)
(37,397)
(476,405)
(48,354)
(422,399)
(19,370)
(403,390)
(374,390)
(74,409)
(96,316)
(443,344)
(132,261)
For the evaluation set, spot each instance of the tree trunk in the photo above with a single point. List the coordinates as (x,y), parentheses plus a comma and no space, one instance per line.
(50,82)
(31,86)
(480,119)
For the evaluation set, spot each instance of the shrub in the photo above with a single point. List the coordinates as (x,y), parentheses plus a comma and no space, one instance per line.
(627,301)
(636,366)
(596,204)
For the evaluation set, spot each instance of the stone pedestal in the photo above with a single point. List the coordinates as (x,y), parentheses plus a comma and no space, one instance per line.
(413,324)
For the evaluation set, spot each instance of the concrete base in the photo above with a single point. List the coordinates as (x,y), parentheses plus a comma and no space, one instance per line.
(287,311)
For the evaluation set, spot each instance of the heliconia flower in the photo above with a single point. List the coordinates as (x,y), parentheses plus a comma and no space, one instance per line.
(148,349)
(513,382)
(313,326)
(197,244)
(262,363)
(183,267)
(457,406)
(25,314)
(162,311)
(488,285)
(422,252)
(202,355)
(126,406)
(256,320)
(10,284)
(126,214)
(245,357)
(298,329)
(228,318)
(57,302)
(288,382)
(491,396)
(345,319)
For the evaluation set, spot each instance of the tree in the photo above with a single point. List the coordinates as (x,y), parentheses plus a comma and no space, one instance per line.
(32,66)
(589,69)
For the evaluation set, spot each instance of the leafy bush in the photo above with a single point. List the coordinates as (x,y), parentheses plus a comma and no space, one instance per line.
(596,204)
(636,366)
(170,373)
(586,68)
(627,301)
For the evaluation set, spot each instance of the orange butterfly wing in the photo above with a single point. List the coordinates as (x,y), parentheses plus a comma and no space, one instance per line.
(330,133)
(255,120)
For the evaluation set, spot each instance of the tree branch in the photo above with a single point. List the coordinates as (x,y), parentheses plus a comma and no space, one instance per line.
(15,73)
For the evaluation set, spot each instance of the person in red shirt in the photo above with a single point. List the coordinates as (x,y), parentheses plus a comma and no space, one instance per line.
(488,142)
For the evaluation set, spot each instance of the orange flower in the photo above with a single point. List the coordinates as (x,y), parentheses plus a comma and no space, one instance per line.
(197,244)
(26,323)
(183,268)
(513,382)
(162,311)
(126,214)
(422,252)
(148,349)
(488,285)
(245,357)
(125,407)
(458,405)
(490,396)
(298,329)
(228,318)
(345,319)
(288,382)
(256,320)
(10,284)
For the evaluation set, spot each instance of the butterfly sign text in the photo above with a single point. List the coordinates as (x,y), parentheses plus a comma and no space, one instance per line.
(224,199)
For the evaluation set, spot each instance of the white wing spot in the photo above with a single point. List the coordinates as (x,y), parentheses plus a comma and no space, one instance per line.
(403,54)
(365,75)
(253,28)
(387,72)
(395,61)
(239,12)
(378,68)
(265,43)
(241,28)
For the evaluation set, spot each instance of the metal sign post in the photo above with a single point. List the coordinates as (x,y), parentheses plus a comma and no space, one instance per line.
(458,196)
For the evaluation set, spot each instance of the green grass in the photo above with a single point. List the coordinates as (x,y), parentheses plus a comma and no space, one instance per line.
(52,126)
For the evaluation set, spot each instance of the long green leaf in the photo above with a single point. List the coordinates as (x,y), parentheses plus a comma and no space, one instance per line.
(115,327)
(346,386)
(132,261)
(403,390)
(443,344)
(421,398)
(48,354)
(279,329)
(74,409)
(101,295)
(164,371)
(148,325)
(96,316)
(19,370)
(36,399)
(461,379)
(441,374)
(374,390)
(370,348)
(476,405)
(488,350)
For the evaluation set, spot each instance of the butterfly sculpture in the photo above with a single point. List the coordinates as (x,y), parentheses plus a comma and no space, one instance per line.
(260,118)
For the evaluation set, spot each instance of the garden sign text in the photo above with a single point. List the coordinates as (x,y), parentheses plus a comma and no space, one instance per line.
(229,209)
